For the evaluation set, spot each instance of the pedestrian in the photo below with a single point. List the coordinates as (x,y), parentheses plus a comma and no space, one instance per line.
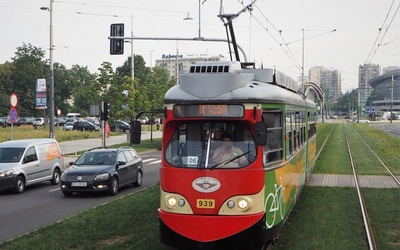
(107,129)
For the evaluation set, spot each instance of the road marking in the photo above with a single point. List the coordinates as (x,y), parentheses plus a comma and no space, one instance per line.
(53,190)
(150,159)
(155,162)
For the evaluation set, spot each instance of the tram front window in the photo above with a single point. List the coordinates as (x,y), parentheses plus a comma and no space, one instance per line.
(211,145)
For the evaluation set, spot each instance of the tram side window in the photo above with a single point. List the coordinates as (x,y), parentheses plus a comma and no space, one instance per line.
(289,135)
(272,152)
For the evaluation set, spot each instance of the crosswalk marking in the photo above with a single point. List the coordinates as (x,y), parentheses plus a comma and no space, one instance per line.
(155,162)
(150,159)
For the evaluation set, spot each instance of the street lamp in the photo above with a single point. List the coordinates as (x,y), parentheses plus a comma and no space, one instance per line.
(51,78)
(189,18)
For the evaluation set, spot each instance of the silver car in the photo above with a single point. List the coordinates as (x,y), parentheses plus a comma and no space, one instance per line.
(68,126)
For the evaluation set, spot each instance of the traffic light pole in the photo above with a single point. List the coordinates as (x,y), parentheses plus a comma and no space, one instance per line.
(103,134)
(104,112)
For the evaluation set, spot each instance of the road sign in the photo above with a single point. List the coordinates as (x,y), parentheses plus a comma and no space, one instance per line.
(13,100)
(13,115)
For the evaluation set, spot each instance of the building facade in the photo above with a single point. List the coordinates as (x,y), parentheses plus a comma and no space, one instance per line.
(366,72)
(174,64)
(329,80)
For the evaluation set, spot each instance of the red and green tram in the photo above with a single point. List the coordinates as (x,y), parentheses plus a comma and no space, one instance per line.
(239,200)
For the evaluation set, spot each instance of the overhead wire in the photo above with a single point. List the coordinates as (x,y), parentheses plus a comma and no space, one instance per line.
(288,52)
(376,46)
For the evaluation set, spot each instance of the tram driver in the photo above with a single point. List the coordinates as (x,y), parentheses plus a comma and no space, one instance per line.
(227,152)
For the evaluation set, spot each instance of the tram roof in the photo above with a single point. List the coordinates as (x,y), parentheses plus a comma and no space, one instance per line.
(232,84)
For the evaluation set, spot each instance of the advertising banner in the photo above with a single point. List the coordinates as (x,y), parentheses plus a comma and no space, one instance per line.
(41,94)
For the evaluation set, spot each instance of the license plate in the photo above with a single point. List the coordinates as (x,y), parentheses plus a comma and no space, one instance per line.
(79,184)
(205,203)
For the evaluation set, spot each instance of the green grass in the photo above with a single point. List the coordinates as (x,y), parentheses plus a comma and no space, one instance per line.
(330,218)
(324,218)
(27,131)
(127,223)
(335,159)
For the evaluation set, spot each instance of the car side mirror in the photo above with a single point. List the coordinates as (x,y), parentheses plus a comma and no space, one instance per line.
(121,163)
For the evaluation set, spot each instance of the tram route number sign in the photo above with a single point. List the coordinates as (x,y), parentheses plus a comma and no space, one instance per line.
(208,110)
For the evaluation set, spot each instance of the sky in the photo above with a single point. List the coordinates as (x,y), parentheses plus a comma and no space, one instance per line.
(281,34)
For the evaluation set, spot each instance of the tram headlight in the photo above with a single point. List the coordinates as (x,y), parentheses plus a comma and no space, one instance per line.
(243,204)
(171,201)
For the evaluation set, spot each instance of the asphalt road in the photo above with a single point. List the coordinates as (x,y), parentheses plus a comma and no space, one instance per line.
(390,128)
(44,204)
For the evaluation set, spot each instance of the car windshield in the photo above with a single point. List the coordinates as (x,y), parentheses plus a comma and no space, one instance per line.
(11,154)
(96,158)
(211,145)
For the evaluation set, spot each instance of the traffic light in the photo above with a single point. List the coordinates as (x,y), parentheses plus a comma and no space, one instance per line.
(117,45)
(105,111)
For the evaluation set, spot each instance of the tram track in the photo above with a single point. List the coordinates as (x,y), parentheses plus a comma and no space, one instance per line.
(363,205)
(357,221)
(380,160)
(326,139)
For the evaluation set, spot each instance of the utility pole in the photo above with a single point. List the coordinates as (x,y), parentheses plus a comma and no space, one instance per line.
(391,102)
(51,77)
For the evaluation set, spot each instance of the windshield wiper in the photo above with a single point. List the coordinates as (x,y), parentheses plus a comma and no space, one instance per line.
(229,160)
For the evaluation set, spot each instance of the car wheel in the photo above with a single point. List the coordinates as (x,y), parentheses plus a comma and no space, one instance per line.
(19,187)
(56,177)
(113,190)
(139,179)
(67,193)
(127,131)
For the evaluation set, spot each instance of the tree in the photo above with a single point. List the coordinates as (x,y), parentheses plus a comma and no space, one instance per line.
(374,96)
(140,69)
(6,87)
(84,89)
(29,65)
(158,84)
(347,102)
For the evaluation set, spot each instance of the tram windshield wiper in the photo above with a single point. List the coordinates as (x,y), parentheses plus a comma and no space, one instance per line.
(229,160)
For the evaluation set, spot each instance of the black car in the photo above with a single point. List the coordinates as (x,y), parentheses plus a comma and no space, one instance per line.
(104,170)
(120,126)
(85,126)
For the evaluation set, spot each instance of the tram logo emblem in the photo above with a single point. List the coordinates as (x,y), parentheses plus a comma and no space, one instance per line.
(206,184)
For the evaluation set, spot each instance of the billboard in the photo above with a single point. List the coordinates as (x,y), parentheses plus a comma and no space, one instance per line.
(41,94)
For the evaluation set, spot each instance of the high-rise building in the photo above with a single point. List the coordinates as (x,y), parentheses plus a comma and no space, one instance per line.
(365,73)
(329,80)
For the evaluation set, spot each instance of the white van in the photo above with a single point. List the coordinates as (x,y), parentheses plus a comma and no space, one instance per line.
(74,116)
(29,161)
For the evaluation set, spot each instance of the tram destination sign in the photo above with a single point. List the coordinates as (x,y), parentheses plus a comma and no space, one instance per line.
(208,110)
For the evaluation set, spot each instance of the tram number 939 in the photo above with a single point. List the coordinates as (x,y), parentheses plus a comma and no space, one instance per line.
(205,203)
